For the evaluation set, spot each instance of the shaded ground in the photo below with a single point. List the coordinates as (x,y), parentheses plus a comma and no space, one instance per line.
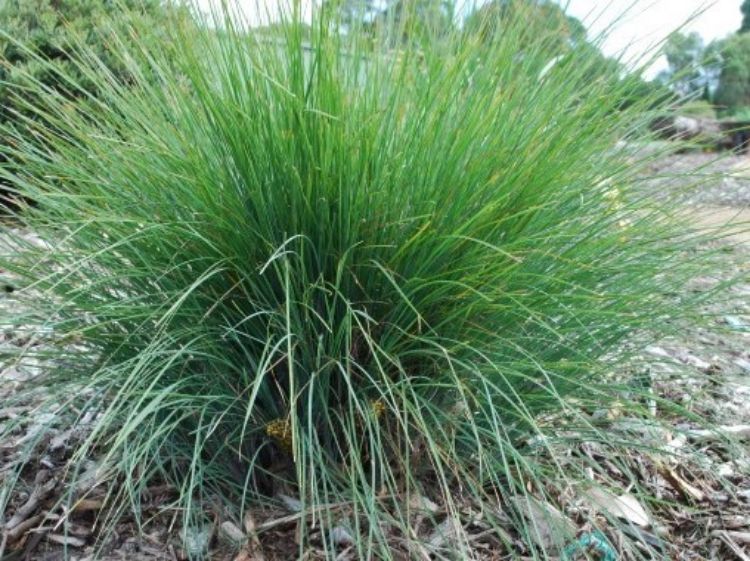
(701,481)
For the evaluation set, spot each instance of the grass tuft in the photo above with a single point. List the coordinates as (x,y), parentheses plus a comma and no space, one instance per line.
(319,266)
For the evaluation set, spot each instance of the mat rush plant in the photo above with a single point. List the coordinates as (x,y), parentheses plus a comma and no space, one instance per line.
(385,282)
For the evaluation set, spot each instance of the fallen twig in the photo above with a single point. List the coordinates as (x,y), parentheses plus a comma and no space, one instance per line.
(730,539)
(19,530)
(742,537)
(681,486)
(66,540)
(25,510)
(270,524)
(707,435)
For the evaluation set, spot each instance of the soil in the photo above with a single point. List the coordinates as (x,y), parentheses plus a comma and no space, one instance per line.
(702,483)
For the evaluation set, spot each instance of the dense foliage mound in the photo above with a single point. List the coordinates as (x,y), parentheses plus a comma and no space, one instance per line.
(335,270)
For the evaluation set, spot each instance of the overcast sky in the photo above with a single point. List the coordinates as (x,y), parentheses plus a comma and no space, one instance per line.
(645,23)
(650,21)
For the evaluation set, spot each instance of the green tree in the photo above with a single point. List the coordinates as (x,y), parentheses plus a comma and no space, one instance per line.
(353,12)
(745,9)
(691,65)
(416,21)
(560,34)
(399,21)
(541,18)
(733,91)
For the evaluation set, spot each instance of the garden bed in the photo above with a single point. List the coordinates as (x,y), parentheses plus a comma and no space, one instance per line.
(700,481)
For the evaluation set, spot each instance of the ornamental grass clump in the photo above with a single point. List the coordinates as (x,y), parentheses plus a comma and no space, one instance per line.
(311,263)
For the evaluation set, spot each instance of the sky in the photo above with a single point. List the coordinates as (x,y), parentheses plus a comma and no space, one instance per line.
(650,21)
(639,25)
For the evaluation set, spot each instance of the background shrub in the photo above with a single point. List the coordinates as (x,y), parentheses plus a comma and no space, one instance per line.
(38,39)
